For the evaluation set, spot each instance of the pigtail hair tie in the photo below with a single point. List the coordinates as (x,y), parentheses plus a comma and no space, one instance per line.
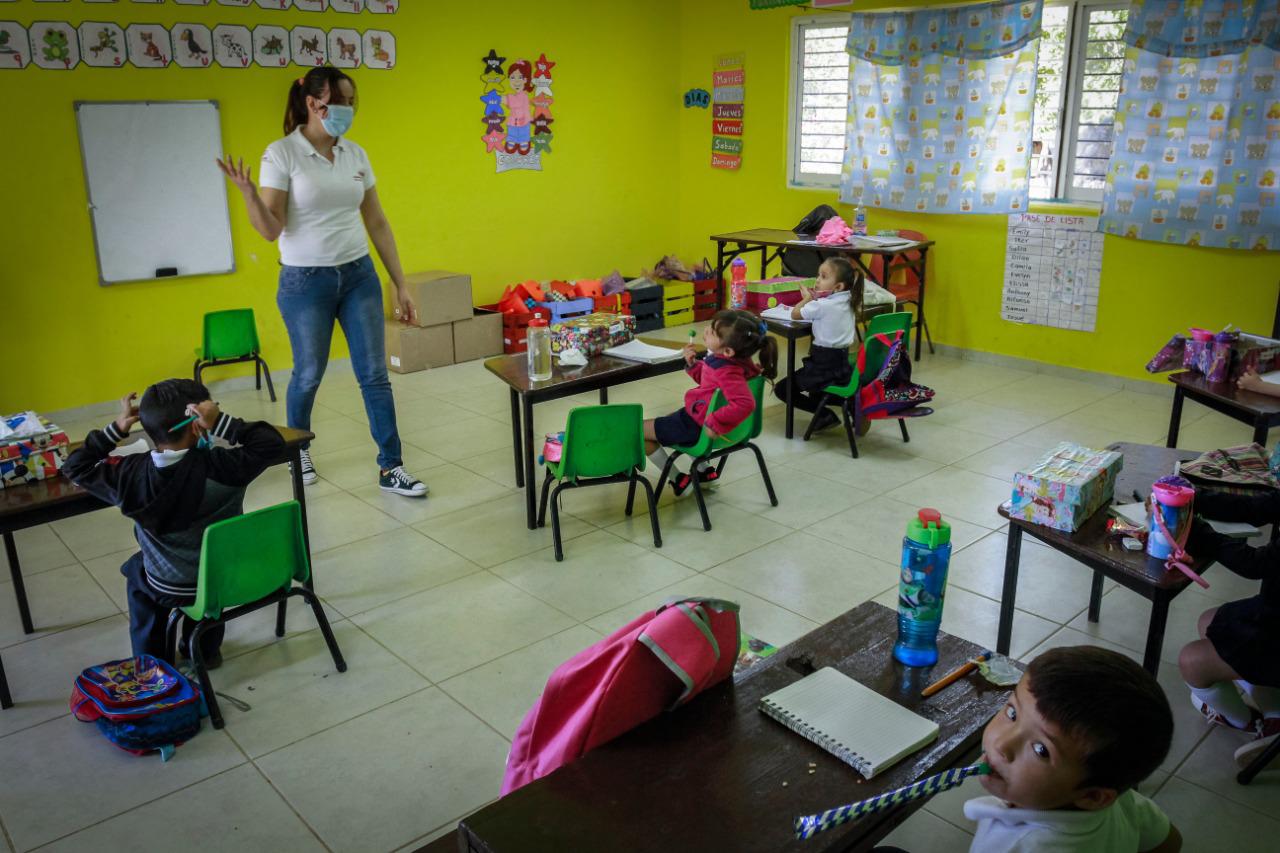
(764,328)
(298,82)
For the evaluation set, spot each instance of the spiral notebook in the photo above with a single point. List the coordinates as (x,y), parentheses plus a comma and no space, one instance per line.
(849,720)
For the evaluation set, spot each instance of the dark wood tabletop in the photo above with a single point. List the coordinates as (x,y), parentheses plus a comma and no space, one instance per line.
(1227,392)
(514,370)
(718,774)
(1143,465)
(781,237)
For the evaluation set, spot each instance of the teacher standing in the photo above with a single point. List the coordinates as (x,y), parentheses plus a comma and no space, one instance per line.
(318,199)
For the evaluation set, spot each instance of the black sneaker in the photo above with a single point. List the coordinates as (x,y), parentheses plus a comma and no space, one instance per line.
(401,482)
(308,470)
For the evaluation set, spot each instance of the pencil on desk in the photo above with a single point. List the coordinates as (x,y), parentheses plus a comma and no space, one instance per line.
(955,675)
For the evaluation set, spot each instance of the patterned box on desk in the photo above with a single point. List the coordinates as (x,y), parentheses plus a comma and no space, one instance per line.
(593,334)
(52,437)
(1065,486)
(40,465)
(770,292)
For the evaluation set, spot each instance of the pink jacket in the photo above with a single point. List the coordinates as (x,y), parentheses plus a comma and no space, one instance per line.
(730,376)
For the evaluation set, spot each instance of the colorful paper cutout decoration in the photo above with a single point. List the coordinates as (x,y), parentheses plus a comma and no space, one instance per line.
(493,141)
(542,86)
(493,63)
(382,7)
(15,49)
(101,44)
(542,124)
(542,68)
(542,144)
(697,98)
(346,5)
(493,123)
(492,103)
(309,46)
(233,3)
(271,46)
(192,45)
(148,46)
(379,49)
(55,45)
(309,5)
(274,4)
(232,46)
(344,48)
(728,81)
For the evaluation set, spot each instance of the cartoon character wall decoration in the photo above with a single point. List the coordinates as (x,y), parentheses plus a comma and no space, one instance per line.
(55,47)
(517,98)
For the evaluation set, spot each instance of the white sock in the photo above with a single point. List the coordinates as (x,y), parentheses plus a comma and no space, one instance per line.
(1265,699)
(1224,698)
(659,457)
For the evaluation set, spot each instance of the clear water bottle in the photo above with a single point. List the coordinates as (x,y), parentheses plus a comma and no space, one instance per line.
(926,554)
(538,340)
(738,286)
(860,221)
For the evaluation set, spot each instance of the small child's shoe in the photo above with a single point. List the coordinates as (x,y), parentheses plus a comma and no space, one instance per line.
(1266,731)
(1215,718)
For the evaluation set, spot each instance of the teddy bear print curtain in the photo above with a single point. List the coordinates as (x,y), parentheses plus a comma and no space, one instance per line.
(1196,157)
(940,108)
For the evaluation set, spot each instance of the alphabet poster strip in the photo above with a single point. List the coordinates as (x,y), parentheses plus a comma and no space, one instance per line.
(728,84)
(1052,270)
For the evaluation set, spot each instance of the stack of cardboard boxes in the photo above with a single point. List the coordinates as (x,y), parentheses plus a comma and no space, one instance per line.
(448,328)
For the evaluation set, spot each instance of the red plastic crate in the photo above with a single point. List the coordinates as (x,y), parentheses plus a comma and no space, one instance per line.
(615,303)
(702,314)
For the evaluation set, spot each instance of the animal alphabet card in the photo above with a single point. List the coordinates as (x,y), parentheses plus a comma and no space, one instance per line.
(101,45)
(56,45)
(271,46)
(234,2)
(274,4)
(346,5)
(15,50)
(148,46)
(192,45)
(232,46)
(310,5)
(181,3)
(344,48)
(309,46)
(382,7)
(379,49)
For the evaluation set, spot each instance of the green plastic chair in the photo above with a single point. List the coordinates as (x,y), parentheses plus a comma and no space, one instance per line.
(847,394)
(602,444)
(708,448)
(231,337)
(247,563)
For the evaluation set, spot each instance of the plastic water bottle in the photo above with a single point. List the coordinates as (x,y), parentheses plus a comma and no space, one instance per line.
(738,289)
(860,221)
(926,554)
(538,341)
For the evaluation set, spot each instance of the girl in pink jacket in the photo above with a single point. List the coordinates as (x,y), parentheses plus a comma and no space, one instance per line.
(731,339)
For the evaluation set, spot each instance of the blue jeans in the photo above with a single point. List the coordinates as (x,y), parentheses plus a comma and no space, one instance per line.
(310,299)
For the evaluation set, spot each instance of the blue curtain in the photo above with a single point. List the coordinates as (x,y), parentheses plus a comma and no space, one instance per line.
(1196,156)
(940,108)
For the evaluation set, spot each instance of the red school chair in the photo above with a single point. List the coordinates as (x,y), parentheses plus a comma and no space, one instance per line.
(909,290)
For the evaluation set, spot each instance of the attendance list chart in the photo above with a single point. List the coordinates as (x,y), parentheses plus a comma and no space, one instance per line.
(1051,271)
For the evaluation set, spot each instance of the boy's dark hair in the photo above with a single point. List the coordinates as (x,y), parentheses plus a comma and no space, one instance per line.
(852,279)
(164,405)
(745,334)
(1110,704)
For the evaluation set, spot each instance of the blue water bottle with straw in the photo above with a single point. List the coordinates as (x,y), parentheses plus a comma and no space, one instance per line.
(926,554)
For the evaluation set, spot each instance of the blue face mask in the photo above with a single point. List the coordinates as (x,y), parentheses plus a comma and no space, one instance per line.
(338,119)
(204,442)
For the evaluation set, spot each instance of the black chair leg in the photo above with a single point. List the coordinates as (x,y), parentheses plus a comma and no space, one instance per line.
(195,371)
(199,371)
(282,610)
(266,372)
(720,466)
(542,504)
(902,425)
(171,636)
(928,338)
(850,427)
(312,599)
(696,476)
(813,421)
(6,700)
(764,473)
(653,511)
(666,472)
(1245,776)
(555,523)
(257,374)
(631,490)
(202,673)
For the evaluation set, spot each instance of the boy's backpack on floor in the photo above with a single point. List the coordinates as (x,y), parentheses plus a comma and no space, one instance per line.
(141,704)
(892,394)
(656,663)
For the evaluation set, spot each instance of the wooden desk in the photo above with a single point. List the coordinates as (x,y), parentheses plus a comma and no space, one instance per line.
(1143,465)
(599,373)
(1259,410)
(57,498)
(710,776)
(771,242)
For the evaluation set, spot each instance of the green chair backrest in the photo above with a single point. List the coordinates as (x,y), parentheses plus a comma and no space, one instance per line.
(249,557)
(745,431)
(600,441)
(230,334)
(884,324)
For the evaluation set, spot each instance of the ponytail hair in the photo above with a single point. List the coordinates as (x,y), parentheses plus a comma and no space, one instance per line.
(852,279)
(747,335)
(315,83)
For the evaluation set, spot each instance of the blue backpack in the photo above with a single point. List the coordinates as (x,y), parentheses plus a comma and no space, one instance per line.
(141,704)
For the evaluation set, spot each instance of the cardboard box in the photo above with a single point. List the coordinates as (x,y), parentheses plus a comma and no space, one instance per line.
(414,348)
(477,337)
(1065,486)
(440,296)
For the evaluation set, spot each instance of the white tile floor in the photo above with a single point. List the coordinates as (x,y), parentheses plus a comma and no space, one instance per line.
(451,614)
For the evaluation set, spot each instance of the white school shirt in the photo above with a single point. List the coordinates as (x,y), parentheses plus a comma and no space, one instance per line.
(323,227)
(1129,825)
(832,320)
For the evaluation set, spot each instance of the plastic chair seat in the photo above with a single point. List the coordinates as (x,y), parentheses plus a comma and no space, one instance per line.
(231,337)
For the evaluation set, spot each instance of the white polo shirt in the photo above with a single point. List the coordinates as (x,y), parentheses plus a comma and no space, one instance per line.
(323,227)
(1131,823)
(832,320)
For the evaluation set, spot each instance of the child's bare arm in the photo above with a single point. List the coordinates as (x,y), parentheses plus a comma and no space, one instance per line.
(1171,844)
(1251,381)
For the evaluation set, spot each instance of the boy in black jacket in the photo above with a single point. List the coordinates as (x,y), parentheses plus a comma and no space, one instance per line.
(172,494)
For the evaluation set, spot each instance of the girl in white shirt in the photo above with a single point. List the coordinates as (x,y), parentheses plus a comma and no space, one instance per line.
(832,307)
(318,199)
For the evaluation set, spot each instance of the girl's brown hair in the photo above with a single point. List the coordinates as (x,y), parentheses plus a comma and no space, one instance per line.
(314,83)
(852,279)
(745,334)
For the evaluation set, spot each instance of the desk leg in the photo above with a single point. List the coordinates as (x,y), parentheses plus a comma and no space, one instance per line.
(1175,418)
(723,297)
(6,701)
(515,437)
(791,386)
(1009,594)
(1155,635)
(921,328)
(300,495)
(1095,597)
(1260,430)
(19,588)
(604,396)
(530,486)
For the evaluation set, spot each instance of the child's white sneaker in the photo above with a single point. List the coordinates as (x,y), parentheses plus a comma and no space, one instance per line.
(1268,730)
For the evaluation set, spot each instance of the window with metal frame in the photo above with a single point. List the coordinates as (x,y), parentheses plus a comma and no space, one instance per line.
(819,100)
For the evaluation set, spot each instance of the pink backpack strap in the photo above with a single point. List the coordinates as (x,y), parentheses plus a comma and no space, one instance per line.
(680,635)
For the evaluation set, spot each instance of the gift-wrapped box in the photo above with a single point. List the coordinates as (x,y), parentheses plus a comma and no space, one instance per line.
(1065,486)
(770,292)
(1252,352)
(50,437)
(39,465)
(593,334)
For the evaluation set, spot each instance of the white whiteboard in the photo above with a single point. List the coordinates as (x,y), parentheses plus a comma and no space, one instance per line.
(156,199)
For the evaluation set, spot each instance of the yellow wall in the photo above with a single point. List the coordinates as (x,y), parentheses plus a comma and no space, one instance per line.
(1148,290)
(605,198)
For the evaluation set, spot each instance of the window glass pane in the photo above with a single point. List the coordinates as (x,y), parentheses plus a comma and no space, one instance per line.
(822,100)
(1048,106)
(1097,100)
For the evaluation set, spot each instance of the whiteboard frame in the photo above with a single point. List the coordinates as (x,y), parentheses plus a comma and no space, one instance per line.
(88,191)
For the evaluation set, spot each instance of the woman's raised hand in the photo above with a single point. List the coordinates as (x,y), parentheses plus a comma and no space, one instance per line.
(237,173)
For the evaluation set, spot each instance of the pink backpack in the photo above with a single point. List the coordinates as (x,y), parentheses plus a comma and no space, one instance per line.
(656,663)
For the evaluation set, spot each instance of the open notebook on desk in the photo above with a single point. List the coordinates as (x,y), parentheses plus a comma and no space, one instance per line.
(636,350)
(780,312)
